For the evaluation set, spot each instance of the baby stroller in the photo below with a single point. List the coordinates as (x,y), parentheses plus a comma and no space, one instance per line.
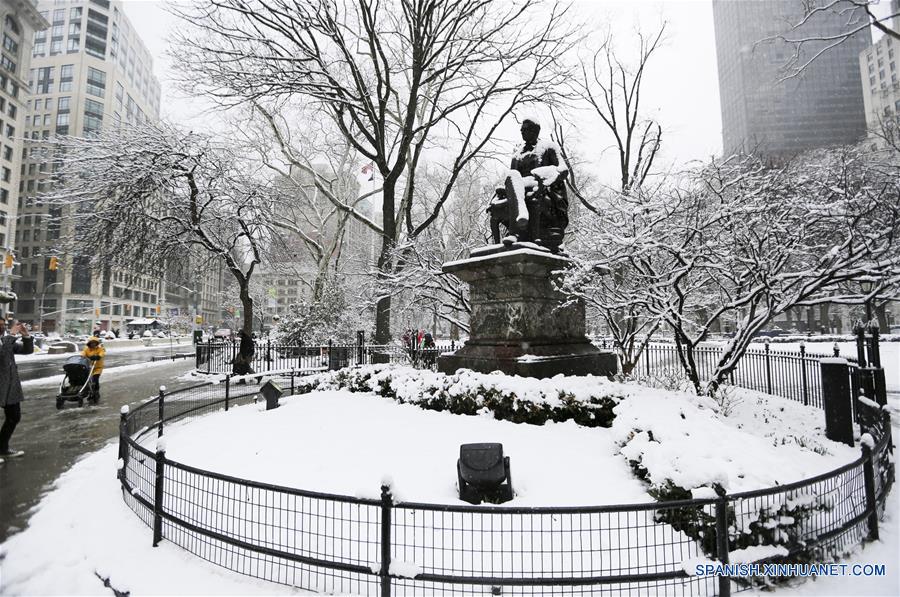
(76,384)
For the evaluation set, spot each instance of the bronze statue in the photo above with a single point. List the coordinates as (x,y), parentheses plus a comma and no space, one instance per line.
(532,204)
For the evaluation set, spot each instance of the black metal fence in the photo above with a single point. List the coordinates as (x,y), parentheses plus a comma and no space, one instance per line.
(217,357)
(378,546)
(793,375)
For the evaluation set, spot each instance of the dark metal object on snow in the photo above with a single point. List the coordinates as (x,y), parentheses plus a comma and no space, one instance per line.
(271,392)
(483,474)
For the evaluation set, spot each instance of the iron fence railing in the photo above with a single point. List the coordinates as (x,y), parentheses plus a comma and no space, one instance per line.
(793,375)
(217,357)
(378,546)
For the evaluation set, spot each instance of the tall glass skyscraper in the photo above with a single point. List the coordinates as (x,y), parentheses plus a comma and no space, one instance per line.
(762,114)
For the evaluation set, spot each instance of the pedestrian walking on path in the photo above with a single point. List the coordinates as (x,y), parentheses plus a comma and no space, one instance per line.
(10,386)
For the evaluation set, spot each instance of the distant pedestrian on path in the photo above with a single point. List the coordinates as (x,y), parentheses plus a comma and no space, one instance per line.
(10,386)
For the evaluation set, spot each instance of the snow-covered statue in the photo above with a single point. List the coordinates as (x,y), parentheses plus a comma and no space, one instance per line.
(532,204)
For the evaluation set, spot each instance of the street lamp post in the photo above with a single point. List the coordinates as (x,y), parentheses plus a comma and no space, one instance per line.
(41,315)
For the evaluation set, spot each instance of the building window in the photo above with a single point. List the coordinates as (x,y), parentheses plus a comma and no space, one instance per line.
(74,45)
(4,196)
(93,116)
(62,104)
(96,82)
(10,45)
(40,48)
(66,73)
(7,153)
(7,174)
(11,24)
(8,64)
(62,119)
(44,80)
(10,131)
(13,110)
(56,47)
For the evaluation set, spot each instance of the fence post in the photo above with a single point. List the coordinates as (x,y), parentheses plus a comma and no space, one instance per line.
(158,493)
(871,503)
(647,360)
(387,503)
(329,354)
(803,373)
(292,381)
(227,389)
(860,330)
(269,354)
(837,399)
(722,543)
(123,440)
(162,409)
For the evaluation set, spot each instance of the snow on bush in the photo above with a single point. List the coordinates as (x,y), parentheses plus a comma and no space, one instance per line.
(588,401)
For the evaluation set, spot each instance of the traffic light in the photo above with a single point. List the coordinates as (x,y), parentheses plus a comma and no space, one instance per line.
(198,320)
(158,309)
(8,261)
(96,311)
(54,263)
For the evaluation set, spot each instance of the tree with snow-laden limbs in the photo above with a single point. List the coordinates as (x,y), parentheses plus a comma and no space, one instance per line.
(329,316)
(404,81)
(151,193)
(738,242)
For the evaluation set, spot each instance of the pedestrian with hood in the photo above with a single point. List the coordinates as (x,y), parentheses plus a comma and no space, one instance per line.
(10,387)
(95,352)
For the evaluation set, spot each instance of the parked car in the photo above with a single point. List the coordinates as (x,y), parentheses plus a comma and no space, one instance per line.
(222,334)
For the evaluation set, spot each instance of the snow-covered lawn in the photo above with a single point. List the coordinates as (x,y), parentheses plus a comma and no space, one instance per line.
(336,441)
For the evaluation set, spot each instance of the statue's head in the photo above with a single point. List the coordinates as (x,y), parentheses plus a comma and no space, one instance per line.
(530,131)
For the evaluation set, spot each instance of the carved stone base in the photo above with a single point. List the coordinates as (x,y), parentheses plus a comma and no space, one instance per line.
(520,324)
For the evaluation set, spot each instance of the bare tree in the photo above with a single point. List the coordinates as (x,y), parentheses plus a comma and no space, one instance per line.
(316,171)
(397,79)
(152,193)
(856,16)
(611,88)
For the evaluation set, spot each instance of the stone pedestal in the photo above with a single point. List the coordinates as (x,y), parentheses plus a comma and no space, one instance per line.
(520,324)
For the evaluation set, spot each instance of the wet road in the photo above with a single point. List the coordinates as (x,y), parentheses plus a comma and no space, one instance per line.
(39,367)
(53,440)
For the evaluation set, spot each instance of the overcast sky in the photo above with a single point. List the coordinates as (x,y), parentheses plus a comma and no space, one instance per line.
(681,83)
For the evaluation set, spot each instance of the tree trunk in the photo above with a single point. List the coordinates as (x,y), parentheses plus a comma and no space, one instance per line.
(881,317)
(247,306)
(389,227)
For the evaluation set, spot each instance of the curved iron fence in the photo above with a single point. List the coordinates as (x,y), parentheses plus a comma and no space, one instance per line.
(375,545)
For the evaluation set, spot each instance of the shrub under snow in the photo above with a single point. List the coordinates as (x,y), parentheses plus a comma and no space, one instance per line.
(588,401)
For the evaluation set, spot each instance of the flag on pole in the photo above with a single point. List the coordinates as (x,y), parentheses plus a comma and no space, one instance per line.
(370,170)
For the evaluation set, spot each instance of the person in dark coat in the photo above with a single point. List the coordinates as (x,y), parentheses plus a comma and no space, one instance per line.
(241,363)
(10,386)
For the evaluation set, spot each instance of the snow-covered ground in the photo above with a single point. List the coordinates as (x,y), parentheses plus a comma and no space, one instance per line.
(349,443)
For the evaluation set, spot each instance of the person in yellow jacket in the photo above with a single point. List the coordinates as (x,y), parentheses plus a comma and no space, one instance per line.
(95,352)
